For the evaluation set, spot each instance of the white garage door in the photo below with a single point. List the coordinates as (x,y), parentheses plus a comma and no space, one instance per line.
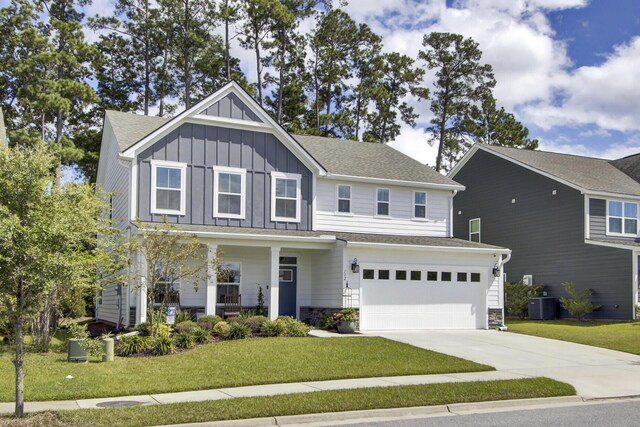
(448,300)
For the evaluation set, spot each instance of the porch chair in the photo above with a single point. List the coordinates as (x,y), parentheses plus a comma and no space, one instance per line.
(232,306)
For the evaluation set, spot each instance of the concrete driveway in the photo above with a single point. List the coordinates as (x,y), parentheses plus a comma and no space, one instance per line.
(594,372)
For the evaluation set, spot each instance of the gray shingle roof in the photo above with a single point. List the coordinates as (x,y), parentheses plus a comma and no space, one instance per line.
(363,159)
(3,131)
(130,128)
(629,165)
(189,228)
(585,172)
(444,242)
(337,156)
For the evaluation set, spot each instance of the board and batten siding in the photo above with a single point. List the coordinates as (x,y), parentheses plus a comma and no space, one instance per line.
(327,279)
(202,147)
(363,218)
(231,107)
(545,232)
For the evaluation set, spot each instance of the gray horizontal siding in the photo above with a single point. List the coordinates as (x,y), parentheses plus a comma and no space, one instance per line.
(233,108)
(598,221)
(203,147)
(544,231)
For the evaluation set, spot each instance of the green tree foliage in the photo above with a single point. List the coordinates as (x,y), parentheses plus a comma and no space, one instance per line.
(47,241)
(578,304)
(516,298)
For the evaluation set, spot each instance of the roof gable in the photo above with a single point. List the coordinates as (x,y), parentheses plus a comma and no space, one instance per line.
(629,165)
(587,174)
(231,107)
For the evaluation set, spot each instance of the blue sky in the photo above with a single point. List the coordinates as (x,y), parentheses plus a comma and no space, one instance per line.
(568,69)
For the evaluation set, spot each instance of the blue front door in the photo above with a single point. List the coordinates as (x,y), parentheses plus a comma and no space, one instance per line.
(287,291)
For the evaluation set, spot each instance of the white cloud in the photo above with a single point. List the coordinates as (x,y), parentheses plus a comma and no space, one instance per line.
(413,143)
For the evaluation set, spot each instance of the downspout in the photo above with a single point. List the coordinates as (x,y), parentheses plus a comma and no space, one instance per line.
(501,264)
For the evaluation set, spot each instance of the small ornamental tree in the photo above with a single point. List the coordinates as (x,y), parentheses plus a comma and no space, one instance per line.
(47,241)
(578,305)
(169,258)
(517,296)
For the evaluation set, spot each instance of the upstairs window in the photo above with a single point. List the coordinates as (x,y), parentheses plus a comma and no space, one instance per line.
(382,202)
(229,192)
(285,197)
(420,204)
(168,195)
(622,218)
(474,230)
(344,198)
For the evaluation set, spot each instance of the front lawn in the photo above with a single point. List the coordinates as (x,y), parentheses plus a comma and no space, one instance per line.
(615,336)
(226,364)
(305,403)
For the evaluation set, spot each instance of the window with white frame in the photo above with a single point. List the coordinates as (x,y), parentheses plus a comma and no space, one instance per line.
(420,204)
(382,202)
(285,197)
(344,198)
(622,218)
(229,192)
(474,230)
(228,280)
(168,184)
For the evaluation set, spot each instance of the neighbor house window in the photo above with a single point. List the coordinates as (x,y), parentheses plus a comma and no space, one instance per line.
(622,218)
(420,204)
(229,192)
(474,230)
(382,202)
(344,198)
(285,197)
(228,279)
(168,184)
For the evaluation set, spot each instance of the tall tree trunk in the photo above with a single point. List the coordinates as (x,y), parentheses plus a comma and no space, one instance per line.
(258,68)
(187,65)
(283,51)
(227,60)
(316,87)
(19,360)
(358,112)
(443,123)
(147,61)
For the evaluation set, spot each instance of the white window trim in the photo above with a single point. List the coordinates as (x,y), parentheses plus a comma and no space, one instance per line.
(375,213)
(414,204)
(183,186)
(477,232)
(623,234)
(338,198)
(284,175)
(243,193)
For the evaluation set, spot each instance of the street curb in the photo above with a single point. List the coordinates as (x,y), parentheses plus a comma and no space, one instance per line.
(394,413)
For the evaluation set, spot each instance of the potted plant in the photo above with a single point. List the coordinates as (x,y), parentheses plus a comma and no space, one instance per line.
(346,320)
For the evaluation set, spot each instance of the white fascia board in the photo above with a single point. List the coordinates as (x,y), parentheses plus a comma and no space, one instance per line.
(452,173)
(383,181)
(612,245)
(429,248)
(261,237)
(617,196)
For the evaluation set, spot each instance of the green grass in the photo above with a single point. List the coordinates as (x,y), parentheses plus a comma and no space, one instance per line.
(227,364)
(306,403)
(615,336)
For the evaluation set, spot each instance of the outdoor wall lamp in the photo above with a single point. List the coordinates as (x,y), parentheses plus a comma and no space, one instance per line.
(496,271)
(355,268)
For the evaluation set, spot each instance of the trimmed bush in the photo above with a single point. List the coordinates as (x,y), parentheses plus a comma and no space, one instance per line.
(162,345)
(221,329)
(145,329)
(132,345)
(286,326)
(208,322)
(185,327)
(578,305)
(516,298)
(255,323)
(184,340)
(238,331)
(200,336)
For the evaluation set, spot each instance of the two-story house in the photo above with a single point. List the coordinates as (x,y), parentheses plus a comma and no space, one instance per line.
(566,218)
(319,223)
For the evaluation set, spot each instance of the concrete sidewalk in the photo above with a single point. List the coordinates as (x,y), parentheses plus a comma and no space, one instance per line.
(259,390)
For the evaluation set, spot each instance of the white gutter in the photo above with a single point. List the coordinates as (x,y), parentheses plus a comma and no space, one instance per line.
(431,248)
(242,236)
(385,181)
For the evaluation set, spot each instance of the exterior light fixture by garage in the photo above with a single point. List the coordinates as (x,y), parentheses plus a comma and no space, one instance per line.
(496,271)
(355,268)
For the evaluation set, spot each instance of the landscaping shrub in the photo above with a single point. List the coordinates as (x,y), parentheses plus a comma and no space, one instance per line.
(132,345)
(182,316)
(184,340)
(208,322)
(255,323)
(200,336)
(516,298)
(285,326)
(578,305)
(145,329)
(238,331)
(185,327)
(328,322)
(162,345)
(221,329)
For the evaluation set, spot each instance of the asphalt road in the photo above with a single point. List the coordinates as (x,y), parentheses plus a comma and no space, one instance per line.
(614,414)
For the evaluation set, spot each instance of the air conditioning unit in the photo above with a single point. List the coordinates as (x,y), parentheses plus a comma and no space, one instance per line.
(527,279)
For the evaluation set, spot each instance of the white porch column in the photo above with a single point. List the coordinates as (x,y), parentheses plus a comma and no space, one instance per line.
(274,286)
(212,281)
(141,292)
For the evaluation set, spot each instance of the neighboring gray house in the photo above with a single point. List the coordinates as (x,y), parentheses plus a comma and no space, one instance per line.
(319,223)
(566,218)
